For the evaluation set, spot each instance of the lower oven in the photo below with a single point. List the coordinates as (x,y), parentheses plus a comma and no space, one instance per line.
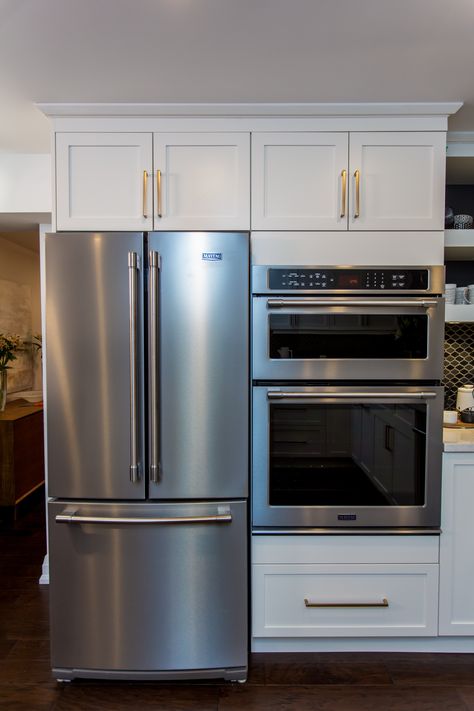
(346,457)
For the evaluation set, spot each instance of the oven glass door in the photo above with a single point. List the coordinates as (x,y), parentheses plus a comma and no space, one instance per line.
(347,457)
(347,338)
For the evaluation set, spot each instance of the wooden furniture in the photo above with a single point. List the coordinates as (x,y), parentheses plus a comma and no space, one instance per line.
(21,452)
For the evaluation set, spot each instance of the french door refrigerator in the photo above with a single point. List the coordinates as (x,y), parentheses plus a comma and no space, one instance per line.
(147,442)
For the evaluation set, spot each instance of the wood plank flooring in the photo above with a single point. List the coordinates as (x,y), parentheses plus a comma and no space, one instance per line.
(277,682)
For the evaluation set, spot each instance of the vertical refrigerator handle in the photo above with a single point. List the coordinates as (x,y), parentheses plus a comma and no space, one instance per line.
(153,379)
(133,340)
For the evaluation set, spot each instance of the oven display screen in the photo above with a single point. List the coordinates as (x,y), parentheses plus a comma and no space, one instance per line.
(323,279)
(346,280)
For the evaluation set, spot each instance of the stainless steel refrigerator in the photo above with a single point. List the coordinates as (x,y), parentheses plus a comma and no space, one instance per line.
(147,445)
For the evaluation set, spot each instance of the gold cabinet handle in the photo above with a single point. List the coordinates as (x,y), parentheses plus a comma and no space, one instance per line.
(357,196)
(145,180)
(344,189)
(158,192)
(383,603)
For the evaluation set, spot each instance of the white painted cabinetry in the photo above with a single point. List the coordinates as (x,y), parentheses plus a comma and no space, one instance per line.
(297,181)
(401,180)
(348,181)
(205,181)
(349,586)
(456,601)
(102,181)
(143,181)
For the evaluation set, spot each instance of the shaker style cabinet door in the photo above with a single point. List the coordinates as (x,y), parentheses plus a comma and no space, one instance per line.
(396,180)
(456,556)
(202,181)
(104,181)
(299,181)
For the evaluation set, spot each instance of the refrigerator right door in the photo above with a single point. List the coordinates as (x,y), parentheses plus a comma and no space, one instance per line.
(199,365)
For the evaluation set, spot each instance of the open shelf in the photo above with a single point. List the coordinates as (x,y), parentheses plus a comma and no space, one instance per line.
(459,244)
(459,312)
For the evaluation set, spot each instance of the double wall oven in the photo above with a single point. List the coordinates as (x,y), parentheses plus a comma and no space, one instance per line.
(347,401)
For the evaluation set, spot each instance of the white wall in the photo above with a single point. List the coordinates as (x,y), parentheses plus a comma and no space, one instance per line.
(23,267)
(25,183)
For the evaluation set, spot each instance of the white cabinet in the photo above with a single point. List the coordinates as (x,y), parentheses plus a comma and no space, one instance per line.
(456,603)
(345,600)
(401,180)
(102,181)
(297,181)
(144,181)
(344,586)
(348,181)
(205,181)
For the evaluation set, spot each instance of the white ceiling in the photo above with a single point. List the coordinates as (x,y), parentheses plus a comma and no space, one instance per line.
(229,51)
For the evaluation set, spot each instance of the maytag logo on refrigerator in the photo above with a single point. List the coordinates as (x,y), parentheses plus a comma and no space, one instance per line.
(212,256)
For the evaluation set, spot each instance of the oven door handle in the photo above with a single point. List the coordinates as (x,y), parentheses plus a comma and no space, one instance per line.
(395,303)
(287,395)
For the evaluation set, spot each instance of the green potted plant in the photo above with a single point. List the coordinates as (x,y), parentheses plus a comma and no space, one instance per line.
(10,343)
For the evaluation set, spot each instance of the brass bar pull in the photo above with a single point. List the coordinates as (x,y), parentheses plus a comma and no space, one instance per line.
(145,181)
(357,195)
(158,192)
(383,603)
(344,190)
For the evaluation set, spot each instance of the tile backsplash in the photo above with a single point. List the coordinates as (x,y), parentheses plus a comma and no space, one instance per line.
(458,360)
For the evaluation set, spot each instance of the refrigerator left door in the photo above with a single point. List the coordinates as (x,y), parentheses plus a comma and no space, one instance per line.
(94,356)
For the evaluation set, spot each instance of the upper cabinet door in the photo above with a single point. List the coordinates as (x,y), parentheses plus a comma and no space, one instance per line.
(104,181)
(202,181)
(299,181)
(397,180)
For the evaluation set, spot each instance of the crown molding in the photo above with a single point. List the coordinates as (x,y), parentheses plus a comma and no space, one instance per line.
(247,110)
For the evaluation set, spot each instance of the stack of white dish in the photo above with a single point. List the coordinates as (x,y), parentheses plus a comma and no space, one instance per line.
(450,293)
(455,294)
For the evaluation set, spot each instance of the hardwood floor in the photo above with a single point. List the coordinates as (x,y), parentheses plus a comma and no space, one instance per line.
(277,682)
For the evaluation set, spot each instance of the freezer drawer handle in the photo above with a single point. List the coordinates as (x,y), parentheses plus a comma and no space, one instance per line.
(368,303)
(74,518)
(383,603)
(133,343)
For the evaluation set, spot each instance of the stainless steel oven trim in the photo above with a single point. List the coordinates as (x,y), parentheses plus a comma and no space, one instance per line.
(266,368)
(324,517)
(260,280)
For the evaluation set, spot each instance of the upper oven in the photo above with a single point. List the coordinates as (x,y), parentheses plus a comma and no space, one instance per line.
(347,323)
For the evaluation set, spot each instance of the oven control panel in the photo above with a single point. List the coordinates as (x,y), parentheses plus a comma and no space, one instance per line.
(321,279)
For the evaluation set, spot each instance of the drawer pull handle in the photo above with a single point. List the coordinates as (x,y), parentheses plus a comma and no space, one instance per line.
(343,197)
(145,199)
(384,603)
(357,195)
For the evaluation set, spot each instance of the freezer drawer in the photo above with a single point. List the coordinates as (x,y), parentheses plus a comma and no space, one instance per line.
(148,590)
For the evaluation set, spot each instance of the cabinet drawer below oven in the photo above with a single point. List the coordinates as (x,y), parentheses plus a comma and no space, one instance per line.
(345,600)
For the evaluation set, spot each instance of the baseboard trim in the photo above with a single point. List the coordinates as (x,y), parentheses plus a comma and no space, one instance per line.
(44,579)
